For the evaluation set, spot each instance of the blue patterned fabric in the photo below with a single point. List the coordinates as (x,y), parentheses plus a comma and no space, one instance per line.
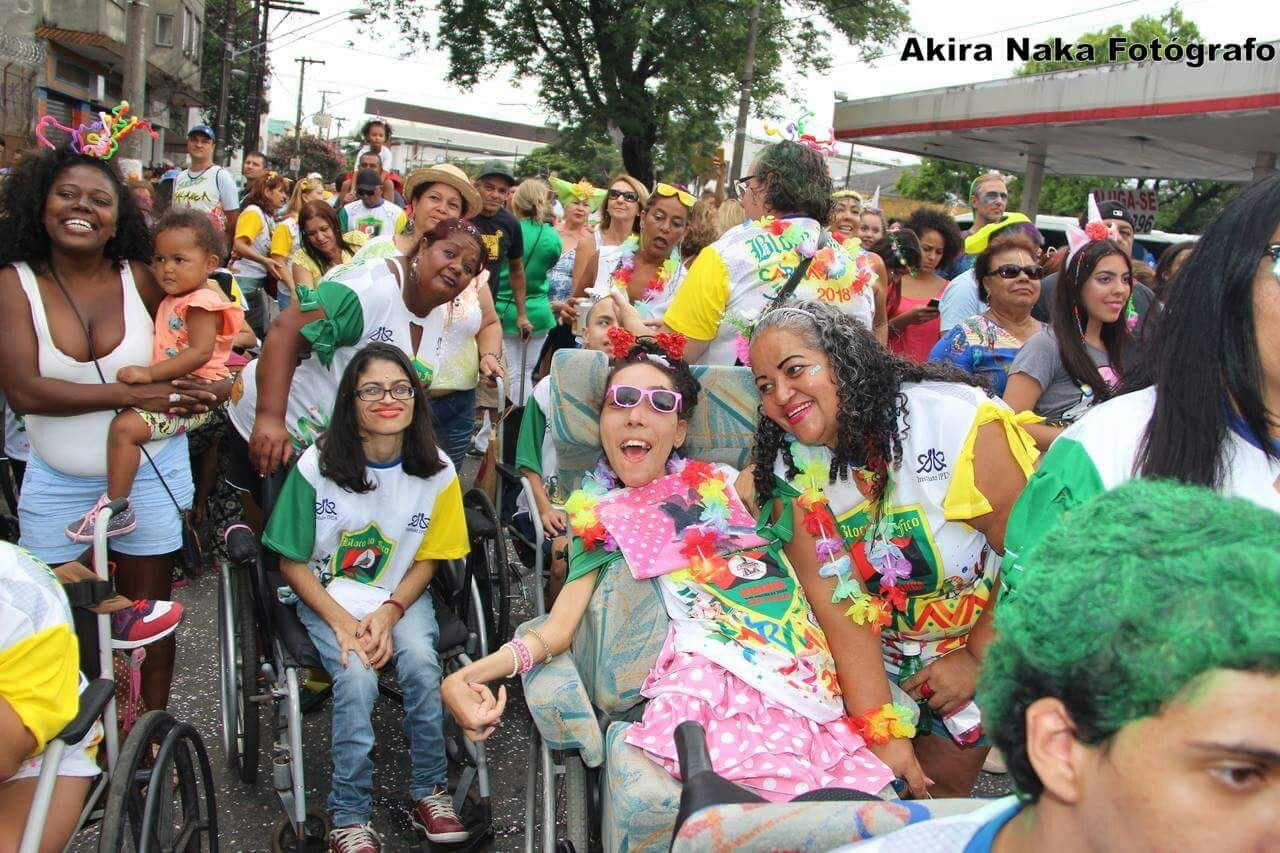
(640,799)
(560,707)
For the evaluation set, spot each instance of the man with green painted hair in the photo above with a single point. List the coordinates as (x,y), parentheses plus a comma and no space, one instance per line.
(1134,685)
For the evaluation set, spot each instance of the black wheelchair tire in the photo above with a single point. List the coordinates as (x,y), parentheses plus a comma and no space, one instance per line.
(487,563)
(246,748)
(315,835)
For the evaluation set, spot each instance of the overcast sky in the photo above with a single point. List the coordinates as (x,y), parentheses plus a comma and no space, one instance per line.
(357,64)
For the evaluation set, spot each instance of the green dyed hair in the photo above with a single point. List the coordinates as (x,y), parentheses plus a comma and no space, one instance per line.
(799,182)
(1137,595)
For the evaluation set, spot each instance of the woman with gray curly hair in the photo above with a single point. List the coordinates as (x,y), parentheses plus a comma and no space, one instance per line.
(780,248)
(903,476)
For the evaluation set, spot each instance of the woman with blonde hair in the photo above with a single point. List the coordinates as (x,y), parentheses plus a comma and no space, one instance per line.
(619,217)
(542,248)
(730,213)
(286,237)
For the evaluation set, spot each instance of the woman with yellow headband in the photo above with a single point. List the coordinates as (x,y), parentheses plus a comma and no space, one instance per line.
(648,269)
(286,237)
(845,222)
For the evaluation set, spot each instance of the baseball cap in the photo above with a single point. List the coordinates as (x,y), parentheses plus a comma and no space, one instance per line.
(204,129)
(496,167)
(367,179)
(1115,210)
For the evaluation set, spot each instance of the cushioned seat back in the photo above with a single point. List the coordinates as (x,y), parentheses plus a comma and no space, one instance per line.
(721,429)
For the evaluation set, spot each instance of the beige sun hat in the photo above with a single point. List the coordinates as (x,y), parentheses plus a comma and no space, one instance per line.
(450,175)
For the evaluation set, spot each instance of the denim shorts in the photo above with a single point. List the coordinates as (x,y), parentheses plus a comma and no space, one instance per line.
(52,500)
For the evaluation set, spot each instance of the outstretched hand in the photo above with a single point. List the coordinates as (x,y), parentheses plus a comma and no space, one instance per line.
(476,710)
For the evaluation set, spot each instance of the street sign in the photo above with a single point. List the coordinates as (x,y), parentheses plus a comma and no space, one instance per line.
(295,164)
(1143,204)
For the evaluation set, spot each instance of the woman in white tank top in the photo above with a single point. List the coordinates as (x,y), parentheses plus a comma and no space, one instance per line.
(74,285)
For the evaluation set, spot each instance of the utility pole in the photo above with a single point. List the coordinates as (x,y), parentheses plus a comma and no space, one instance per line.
(229,10)
(297,127)
(744,101)
(258,67)
(135,74)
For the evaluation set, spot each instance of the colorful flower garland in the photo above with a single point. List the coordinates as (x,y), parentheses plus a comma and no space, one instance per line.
(626,268)
(884,724)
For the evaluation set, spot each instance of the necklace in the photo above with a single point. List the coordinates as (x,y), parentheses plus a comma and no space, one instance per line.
(626,268)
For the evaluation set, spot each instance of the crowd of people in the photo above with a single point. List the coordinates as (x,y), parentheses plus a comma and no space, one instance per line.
(947,423)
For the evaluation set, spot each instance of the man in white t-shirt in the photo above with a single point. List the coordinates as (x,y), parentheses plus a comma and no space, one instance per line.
(206,187)
(370,213)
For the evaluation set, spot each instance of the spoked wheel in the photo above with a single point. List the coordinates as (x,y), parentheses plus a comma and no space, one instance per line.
(238,662)
(161,796)
(487,563)
(314,838)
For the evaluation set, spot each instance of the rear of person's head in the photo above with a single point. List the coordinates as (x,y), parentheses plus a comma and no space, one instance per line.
(259,187)
(1069,317)
(1171,261)
(342,456)
(901,252)
(531,200)
(730,214)
(703,230)
(796,180)
(1133,685)
(1213,347)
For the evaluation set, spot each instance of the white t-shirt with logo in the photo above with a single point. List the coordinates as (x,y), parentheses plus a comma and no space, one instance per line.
(362,305)
(367,538)
(212,192)
(386,218)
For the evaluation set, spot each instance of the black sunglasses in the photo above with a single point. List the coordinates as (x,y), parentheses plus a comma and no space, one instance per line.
(363,193)
(1012,271)
(625,195)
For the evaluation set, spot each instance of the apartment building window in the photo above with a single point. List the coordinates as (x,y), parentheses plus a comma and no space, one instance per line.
(70,73)
(164,30)
(188,31)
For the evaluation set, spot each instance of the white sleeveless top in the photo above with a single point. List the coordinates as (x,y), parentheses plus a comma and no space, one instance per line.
(77,444)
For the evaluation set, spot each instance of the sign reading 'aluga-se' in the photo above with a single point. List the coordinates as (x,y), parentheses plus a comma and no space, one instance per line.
(1141,203)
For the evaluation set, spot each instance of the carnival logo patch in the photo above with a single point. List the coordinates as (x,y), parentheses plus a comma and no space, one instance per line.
(363,556)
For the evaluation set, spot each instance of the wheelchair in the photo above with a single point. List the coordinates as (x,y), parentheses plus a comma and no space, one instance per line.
(263,650)
(582,702)
(158,791)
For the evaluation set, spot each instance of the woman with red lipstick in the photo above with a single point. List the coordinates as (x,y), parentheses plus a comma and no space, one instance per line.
(1078,359)
(361,524)
(891,483)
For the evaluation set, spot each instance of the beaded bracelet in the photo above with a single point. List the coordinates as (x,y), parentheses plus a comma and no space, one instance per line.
(885,723)
(515,660)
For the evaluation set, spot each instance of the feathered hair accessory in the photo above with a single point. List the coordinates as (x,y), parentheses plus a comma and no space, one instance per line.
(795,132)
(99,139)
(1093,231)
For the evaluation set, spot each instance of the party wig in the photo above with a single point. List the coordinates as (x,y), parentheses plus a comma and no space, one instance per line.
(1126,606)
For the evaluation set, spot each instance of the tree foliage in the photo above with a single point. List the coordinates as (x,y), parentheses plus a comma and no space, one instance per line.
(1184,206)
(576,155)
(318,155)
(637,71)
(211,51)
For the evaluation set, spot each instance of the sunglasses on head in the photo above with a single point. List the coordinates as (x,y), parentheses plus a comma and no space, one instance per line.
(625,195)
(661,400)
(1012,271)
(667,191)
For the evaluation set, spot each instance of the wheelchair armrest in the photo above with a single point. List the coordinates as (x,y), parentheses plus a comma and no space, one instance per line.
(93,701)
(702,786)
(87,594)
(561,709)
(510,473)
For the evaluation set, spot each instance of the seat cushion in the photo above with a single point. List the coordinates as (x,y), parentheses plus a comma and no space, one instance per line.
(640,799)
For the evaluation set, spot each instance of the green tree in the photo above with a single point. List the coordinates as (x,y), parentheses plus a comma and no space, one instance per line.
(937,180)
(576,155)
(211,52)
(631,71)
(319,155)
(1171,26)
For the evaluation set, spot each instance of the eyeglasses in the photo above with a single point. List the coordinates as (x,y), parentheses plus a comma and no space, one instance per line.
(366,193)
(374,393)
(992,197)
(744,180)
(667,191)
(1012,271)
(661,400)
(625,195)
(1273,251)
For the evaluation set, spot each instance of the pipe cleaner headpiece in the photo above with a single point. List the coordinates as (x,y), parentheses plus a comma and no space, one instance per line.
(1093,231)
(583,190)
(795,132)
(99,139)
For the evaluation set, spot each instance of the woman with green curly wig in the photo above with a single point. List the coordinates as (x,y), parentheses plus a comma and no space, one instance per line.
(786,195)
(1133,686)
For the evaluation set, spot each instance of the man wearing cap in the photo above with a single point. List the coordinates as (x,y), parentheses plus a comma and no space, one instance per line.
(370,213)
(960,300)
(501,232)
(1120,223)
(205,187)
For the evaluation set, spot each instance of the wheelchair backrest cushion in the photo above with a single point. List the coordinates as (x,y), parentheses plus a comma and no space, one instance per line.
(721,429)
(619,639)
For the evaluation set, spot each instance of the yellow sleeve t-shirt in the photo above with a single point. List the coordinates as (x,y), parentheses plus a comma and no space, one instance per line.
(698,307)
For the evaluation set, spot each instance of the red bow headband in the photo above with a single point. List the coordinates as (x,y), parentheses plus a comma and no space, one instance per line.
(621,341)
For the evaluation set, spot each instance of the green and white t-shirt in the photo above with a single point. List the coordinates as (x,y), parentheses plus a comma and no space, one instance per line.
(386,218)
(535,449)
(369,538)
(1097,454)
(362,304)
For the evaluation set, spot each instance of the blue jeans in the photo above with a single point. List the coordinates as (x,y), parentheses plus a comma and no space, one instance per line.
(453,417)
(355,689)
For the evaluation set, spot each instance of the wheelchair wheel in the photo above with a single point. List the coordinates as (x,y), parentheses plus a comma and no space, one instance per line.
(161,795)
(487,563)
(577,822)
(315,834)
(239,674)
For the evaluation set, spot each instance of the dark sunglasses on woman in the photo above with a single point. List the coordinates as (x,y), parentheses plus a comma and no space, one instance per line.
(1012,271)
(625,195)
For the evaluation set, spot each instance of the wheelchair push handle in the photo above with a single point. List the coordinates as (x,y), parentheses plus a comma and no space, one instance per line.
(691,750)
(116,506)
(242,545)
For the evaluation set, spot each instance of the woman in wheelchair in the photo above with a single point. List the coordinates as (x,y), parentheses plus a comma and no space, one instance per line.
(282,400)
(743,655)
(903,476)
(39,694)
(360,526)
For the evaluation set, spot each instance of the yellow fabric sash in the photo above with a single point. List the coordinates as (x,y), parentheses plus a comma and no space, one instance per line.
(964,501)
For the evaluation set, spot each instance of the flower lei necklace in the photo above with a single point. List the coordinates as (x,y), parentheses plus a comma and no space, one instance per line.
(626,268)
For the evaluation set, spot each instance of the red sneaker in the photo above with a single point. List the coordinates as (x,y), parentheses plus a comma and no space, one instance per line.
(435,818)
(359,838)
(144,623)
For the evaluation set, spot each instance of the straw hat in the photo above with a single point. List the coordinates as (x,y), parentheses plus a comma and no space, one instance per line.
(450,175)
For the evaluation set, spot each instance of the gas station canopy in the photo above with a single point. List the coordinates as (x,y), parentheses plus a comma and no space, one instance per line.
(1220,121)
